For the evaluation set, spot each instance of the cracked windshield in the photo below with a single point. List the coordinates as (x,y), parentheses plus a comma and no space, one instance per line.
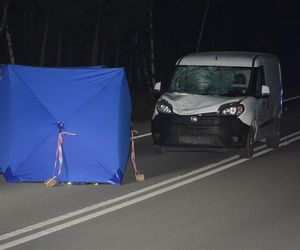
(211,80)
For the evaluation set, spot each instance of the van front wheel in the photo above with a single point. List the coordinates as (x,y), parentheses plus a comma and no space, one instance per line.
(247,151)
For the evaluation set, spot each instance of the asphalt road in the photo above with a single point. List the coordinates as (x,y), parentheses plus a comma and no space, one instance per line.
(189,200)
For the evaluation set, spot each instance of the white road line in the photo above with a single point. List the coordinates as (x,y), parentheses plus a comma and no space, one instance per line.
(143,135)
(292,98)
(144,197)
(111,201)
(127,196)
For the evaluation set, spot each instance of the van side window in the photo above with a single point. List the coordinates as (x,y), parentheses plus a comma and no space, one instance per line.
(260,79)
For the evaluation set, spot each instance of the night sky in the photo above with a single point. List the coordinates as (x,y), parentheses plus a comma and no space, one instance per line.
(262,26)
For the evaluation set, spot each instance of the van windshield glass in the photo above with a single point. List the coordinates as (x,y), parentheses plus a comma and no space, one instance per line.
(211,80)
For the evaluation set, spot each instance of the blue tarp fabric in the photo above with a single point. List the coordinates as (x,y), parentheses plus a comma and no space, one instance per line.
(92,102)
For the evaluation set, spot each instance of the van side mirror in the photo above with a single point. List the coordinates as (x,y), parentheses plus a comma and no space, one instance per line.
(265,91)
(157,87)
(157,90)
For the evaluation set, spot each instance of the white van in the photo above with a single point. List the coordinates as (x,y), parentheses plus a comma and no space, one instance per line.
(220,101)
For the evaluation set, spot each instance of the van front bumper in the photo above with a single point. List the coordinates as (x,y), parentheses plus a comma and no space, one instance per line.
(207,132)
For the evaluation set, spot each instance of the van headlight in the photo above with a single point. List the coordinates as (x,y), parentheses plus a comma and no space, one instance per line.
(233,108)
(163,106)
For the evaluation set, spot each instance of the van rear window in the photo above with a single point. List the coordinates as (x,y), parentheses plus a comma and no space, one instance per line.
(211,80)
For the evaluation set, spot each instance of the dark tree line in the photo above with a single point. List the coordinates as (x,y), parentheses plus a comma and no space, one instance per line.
(55,33)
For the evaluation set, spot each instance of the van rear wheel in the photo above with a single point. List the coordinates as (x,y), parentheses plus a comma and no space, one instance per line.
(248,150)
(273,139)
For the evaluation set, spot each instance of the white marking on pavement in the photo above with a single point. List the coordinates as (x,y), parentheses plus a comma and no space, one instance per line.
(114,200)
(140,136)
(292,98)
(111,201)
(136,200)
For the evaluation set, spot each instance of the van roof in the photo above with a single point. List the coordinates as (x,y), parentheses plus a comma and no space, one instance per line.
(225,58)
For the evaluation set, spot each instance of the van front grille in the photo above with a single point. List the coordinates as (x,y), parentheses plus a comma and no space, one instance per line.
(195,140)
(202,131)
(191,135)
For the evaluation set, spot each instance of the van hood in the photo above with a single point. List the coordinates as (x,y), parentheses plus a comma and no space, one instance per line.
(191,104)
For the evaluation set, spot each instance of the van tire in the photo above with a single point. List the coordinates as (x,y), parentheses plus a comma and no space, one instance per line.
(247,151)
(273,139)
(158,150)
